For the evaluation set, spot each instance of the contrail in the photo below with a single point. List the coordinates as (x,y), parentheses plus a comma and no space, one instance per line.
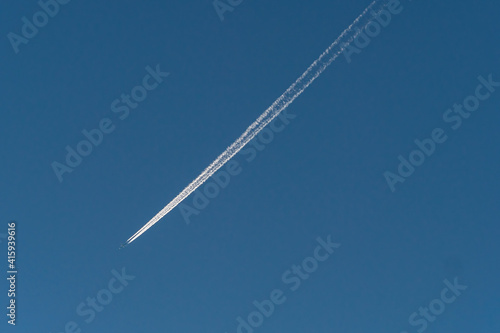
(294,91)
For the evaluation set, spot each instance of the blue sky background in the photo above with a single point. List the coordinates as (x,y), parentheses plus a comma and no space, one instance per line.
(323,175)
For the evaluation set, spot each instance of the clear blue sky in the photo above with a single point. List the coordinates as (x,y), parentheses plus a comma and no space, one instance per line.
(322,175)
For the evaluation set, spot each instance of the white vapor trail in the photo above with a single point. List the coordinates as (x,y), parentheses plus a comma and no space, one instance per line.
(294,91)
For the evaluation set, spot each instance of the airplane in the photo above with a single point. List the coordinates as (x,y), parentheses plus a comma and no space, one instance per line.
(122,246)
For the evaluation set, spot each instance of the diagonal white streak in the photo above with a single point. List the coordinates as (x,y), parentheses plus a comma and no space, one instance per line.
(294,91)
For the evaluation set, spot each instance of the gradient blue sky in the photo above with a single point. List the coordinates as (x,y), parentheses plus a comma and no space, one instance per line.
(322,176)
